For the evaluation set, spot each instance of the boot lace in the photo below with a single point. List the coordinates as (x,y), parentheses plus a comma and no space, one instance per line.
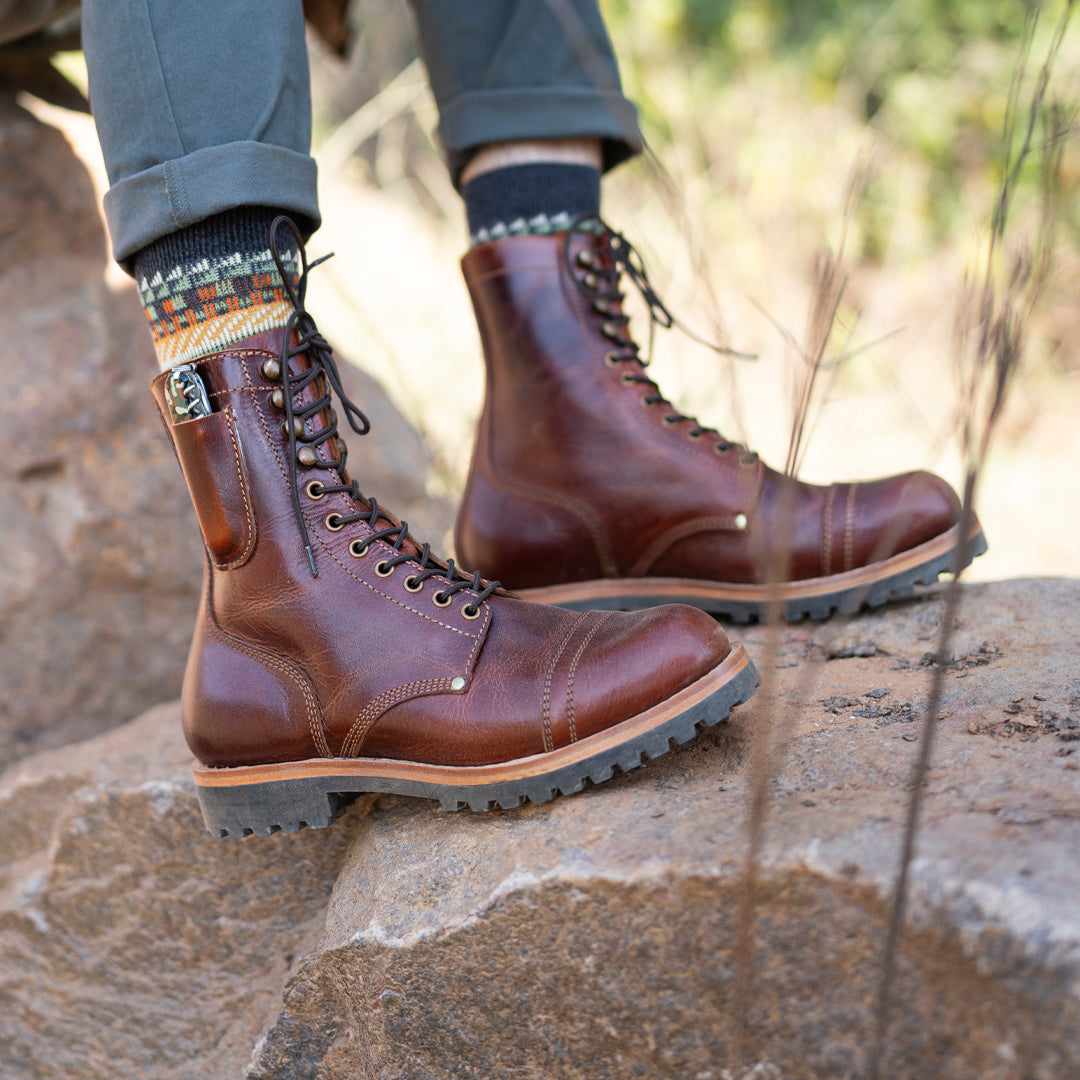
(601,284)
(323,366)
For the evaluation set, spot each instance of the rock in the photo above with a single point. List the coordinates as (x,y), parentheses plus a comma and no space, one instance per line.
(594,936)
(101,555)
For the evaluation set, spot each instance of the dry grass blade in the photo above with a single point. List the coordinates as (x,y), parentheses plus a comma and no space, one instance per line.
(992,331)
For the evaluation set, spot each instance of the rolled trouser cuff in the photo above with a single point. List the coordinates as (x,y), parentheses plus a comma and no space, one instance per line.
(175,194)
(477,117)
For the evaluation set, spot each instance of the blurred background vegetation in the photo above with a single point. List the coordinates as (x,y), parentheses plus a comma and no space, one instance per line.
(781,132)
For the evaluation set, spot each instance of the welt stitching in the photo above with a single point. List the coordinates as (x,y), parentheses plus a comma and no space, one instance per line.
(573,670)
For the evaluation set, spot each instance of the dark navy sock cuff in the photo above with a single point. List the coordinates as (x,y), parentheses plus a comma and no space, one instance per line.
(521,193)
(244,230)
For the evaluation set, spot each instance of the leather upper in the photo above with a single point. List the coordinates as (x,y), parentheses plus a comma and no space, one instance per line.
(581,471)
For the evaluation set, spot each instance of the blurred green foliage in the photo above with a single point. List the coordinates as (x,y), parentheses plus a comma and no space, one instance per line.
(931,78)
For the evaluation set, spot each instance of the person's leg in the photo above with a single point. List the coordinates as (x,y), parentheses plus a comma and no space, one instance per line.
(326,631)
(587,487)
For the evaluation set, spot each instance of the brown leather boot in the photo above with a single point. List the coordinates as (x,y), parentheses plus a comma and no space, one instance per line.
(588,489)
(333,654)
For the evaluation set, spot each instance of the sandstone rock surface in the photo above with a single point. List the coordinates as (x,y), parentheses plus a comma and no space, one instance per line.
(593,936)
(101,558)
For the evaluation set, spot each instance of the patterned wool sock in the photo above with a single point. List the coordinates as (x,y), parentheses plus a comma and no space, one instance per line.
(537,198)
(214,283)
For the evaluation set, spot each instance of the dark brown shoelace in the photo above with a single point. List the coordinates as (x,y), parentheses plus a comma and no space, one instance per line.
(322,365)
(601,283)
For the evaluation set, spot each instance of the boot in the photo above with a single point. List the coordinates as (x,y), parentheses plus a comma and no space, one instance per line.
(334,654)
(588,489)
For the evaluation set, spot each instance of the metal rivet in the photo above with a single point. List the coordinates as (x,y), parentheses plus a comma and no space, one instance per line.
(307,456)
(592,281)
(740,522)
(457,683)
(297,426)
(277,399)
(271,370)
(585,258)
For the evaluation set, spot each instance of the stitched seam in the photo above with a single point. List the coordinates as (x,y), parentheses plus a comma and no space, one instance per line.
(849,529)
(379,705)
(826,532)
(570,719)
(286,667)
(245,554)
(666,539)
(581,510)
(317,535)
(545,708)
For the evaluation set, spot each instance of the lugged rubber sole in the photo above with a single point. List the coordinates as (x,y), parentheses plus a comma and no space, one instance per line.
(262,799)
(849,592)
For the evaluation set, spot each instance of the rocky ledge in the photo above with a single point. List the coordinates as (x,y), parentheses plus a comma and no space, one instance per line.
(593,936)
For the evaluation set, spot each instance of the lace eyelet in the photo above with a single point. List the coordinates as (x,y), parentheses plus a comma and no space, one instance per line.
(695,435)
(358,549)
(646,402)
(334,522)
(271,369)
(412,585)
(311,490)
(612,359)
(383,568)
(446,601)
(670,421)
(277,399)
(627,378)
(307,456)
(720,449)
(475,612)
(746,461)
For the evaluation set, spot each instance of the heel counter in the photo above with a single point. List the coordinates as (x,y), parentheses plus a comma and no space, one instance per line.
(242,705)
(528,537)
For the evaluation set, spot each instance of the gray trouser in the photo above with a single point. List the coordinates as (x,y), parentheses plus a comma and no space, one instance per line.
(204,106)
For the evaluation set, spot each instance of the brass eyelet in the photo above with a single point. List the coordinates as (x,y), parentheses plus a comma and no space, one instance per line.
(446,601)
(271,369)
(475,612)
(307,456)
(358,549)
(311,490)
(383,568)
(627,378)
(612,360)
(646,403)
(412,585)
(670,420)
(334,522)
(721,449)
(695,435)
